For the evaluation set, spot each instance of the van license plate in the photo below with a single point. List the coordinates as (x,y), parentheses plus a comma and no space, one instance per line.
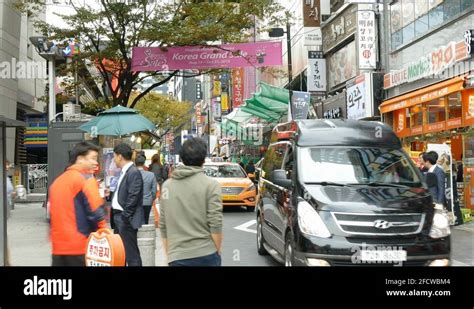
(228,197)
(383,255)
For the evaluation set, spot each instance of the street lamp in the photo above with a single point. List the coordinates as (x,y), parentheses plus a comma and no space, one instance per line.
(51,53)
(279,32)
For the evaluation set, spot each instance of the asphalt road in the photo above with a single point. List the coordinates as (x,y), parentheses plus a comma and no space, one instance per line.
(239,247)
(29,244)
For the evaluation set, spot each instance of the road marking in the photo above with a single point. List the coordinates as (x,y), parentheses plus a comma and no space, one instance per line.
(244,227)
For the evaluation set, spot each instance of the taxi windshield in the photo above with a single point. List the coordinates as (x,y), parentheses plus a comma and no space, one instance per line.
(224,171)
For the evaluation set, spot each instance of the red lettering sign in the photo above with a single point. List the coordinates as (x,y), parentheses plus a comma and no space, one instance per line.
(454,123)
(105,249)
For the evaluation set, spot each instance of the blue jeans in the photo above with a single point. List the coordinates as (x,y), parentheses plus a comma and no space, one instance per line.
(207,260)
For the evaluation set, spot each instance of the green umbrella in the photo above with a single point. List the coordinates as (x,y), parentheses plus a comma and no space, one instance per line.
(118,121)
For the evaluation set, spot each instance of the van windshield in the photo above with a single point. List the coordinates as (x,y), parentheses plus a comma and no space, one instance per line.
(356,166)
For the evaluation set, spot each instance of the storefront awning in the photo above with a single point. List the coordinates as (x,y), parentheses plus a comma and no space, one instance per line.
(239,117)
(269,104)
(423,95)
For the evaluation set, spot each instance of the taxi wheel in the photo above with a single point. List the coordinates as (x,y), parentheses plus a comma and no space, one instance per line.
(250,208)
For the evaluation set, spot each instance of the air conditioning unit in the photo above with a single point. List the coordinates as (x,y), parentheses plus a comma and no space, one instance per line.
(72,112)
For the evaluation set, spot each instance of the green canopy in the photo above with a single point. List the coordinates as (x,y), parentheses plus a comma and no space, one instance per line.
(260,112)
(275,93)
(270,103)
(118,121)
(239,116)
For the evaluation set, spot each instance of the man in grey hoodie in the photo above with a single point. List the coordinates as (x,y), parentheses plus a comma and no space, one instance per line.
(191,211)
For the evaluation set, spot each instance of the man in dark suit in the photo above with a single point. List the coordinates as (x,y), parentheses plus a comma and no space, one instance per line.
(437,188)
(127,204)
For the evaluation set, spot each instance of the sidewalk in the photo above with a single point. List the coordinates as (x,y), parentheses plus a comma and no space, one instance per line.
(468,227)
(32,198)
(462,245)
(28,237)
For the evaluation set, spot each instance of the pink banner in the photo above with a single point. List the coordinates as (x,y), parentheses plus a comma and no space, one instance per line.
(207,57)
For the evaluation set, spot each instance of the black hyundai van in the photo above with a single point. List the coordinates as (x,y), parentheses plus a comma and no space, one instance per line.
(345,193)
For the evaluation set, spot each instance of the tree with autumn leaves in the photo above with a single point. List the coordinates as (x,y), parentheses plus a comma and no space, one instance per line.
(109,30)
(107,33)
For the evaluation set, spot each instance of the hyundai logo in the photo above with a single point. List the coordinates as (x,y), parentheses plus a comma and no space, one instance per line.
(382,224)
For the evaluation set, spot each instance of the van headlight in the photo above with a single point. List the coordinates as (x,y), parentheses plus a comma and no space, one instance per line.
(251,188)
(310,222)
(440,227)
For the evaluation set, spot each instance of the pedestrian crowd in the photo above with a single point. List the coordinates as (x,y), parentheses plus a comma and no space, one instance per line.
(190,206)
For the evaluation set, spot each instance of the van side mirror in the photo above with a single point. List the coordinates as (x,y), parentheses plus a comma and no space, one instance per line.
(431,180)
(278,177)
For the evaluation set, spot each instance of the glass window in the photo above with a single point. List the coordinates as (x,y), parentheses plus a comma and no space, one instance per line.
(342,65)
(224,171)
(451,8)
(421,25)
(353,166)
(455,105)
(274,158)
(408,33)
(421,8)
(408,12)
(407,118)
(395,17)
(416,115)
(436,16)
(436,111)
(466,4)
(397,39)
(434,3)
(289,163)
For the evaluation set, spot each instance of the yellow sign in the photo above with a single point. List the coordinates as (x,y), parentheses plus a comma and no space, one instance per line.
(216,89)
(225,101)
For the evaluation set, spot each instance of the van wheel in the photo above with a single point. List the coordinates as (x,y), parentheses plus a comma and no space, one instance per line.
(289,249)
(260,241)
(250,208)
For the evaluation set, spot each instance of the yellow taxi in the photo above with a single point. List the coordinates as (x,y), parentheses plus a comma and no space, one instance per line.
(237,188)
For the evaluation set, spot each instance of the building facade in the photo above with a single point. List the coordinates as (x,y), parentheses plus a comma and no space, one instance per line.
(428,87)
(353,62)
(20,88)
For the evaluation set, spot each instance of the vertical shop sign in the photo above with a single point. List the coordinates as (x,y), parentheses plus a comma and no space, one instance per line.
(366,40)
(316,72)
(237,87)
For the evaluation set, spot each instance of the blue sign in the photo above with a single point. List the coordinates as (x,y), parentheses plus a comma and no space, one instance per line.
(67,51)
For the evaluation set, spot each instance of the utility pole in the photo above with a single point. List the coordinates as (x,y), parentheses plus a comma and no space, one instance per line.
(290,66)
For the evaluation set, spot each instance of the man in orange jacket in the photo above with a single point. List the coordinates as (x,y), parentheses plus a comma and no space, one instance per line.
(76,207)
